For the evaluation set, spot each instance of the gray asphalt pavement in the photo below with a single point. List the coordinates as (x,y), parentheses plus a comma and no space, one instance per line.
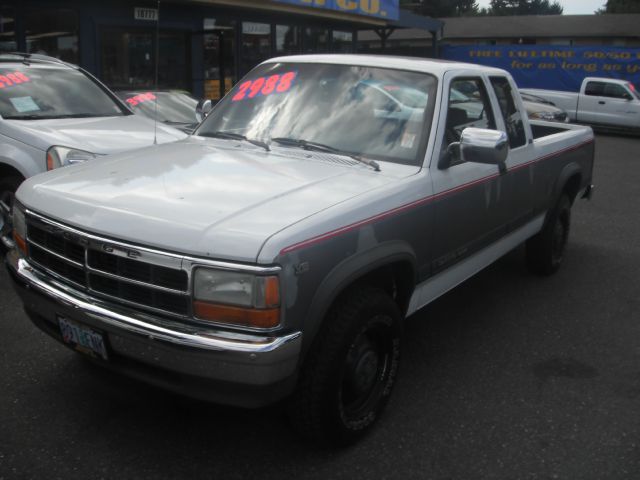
(509,376)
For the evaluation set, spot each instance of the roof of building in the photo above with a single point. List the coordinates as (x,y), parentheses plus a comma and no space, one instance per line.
(610,25)
(406,19)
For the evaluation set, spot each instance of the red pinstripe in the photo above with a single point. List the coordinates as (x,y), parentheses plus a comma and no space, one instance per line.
(422,201)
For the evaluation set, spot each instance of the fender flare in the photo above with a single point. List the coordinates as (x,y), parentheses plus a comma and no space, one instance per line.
(568,171)
(347,272)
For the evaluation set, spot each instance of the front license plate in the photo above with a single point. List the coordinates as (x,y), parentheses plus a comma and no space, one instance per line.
(83,339)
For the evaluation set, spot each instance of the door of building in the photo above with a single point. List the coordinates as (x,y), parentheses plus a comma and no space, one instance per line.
(219,57)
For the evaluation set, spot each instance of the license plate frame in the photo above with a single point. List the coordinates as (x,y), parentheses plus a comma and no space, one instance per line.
(83,339)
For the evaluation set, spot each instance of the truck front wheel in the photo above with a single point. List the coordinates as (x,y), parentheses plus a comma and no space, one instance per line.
(545,251)
(351,369)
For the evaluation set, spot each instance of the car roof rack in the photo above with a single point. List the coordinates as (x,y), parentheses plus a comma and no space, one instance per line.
(27,57)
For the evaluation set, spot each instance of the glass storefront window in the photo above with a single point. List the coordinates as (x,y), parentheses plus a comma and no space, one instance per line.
(219,57)
(316,40)
(255,46)
(287,40)
(342,42)
(52,32)
(7,30)
(128,59)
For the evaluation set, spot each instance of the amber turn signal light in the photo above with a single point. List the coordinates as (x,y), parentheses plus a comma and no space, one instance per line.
(246,317)
(20,242)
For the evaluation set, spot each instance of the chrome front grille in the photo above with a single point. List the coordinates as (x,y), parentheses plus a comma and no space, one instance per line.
(112,270)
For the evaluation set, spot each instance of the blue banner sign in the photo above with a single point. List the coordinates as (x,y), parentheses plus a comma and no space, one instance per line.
(552,67)
(387,9)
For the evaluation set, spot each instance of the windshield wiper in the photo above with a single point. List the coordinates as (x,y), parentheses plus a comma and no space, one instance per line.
(175,122)
(23,117)
(83,115)
(321,147)
(53,117)
(237,136)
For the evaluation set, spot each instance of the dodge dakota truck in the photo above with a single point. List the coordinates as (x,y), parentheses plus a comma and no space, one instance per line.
(275,254)
(604,102)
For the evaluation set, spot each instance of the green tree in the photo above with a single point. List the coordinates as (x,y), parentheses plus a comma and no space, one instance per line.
(524,7)
(441,8)
(621,6)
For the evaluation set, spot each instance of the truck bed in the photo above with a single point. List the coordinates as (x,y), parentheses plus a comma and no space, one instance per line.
(541,129)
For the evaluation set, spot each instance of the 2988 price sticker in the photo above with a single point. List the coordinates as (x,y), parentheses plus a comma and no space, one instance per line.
(262,86)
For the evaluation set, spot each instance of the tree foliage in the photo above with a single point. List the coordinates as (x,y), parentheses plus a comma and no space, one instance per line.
(442,8)
(458,8)
(621,6)
(524,7)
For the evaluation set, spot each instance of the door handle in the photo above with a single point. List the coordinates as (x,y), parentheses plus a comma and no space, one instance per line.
(602,103)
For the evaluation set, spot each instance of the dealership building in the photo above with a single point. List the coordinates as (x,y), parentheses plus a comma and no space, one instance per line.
(611,30)
(203,46)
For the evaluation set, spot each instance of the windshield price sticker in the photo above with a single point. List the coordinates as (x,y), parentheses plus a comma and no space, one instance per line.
(141,98)
(12,78)
(24,104)
(263,86)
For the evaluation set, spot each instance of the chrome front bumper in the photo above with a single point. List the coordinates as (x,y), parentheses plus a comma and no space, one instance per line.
(226,367)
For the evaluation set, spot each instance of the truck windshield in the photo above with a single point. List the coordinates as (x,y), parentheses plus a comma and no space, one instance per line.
(39,92)
(376,113)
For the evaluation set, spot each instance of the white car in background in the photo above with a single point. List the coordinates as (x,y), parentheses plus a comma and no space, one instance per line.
(54,114)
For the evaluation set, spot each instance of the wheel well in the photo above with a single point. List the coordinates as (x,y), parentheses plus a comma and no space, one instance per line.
(7,171)
(572,187)
(396,279)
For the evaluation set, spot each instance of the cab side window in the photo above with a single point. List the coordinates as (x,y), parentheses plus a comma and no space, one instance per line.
(613,90)
(594,89)
(510,112)
(469,106)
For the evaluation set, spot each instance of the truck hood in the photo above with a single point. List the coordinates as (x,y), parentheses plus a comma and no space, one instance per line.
(101,135)
(204,197)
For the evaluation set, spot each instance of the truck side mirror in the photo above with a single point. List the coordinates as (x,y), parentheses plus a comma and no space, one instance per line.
(203,108)
(478,145)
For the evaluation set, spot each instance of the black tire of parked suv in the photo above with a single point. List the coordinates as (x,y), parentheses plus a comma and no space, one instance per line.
(8,187)
(350,371)
(545,251)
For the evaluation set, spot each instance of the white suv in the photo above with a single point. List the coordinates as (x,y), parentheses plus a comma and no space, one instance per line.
(54,114)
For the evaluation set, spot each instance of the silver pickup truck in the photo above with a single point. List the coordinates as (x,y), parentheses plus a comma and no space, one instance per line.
(276,252)
(602,102)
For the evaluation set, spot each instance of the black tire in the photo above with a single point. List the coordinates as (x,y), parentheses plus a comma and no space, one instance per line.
(8,187)
(350,371)
(545,251)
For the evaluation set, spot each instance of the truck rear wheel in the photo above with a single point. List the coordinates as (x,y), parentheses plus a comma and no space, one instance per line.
(545,251)
(351,369)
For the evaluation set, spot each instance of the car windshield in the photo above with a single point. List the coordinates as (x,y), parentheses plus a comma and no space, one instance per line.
(173,107)
(377,113)
(634,90)
(32,92)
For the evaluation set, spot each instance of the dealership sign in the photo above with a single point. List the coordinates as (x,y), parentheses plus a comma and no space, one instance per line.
(387,9)
(552,67)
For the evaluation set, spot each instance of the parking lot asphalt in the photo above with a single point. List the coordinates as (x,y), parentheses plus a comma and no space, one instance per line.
(509,376)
